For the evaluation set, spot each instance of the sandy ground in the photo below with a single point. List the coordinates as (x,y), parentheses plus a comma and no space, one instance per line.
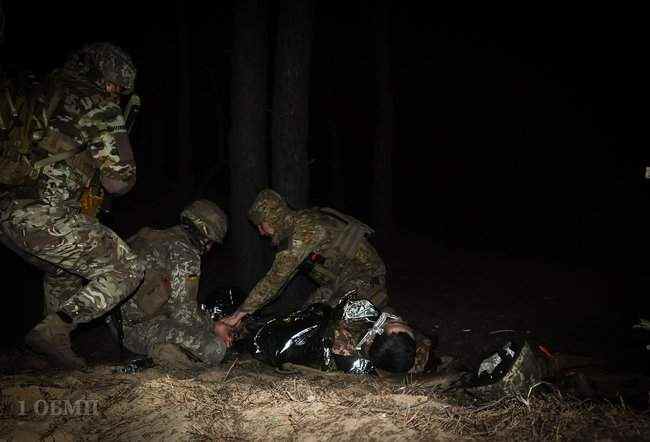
(246,401)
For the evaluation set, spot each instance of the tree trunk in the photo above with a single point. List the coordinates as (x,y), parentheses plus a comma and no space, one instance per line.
(185,172)
(154,120)
(290,125)
(158,137)
(337,169)
(291,101)
(382,189)
(248,135)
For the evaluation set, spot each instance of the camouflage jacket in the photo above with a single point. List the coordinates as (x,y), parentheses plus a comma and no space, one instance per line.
(171,283)
(310,234)
(84,116)
(347,333)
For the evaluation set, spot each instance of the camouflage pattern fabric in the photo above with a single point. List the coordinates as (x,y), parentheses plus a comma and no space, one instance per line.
(142,338)
(312,232)
(270,207)
(173,270)
(104,62)
(48,226)
(75,244)
(346,335)
(207,218)
(86,117)
(58,287)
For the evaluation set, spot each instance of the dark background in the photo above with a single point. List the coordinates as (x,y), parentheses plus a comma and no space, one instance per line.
(518,131)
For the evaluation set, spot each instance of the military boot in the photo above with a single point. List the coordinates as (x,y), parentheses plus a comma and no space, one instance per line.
(51,337)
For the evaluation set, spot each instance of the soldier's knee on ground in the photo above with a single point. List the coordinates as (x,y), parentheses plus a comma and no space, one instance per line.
(173,356)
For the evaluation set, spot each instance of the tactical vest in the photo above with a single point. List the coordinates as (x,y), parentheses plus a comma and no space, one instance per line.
(342,249)
(27,141)
(16,109)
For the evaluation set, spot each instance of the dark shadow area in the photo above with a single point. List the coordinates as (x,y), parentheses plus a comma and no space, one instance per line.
(520,201)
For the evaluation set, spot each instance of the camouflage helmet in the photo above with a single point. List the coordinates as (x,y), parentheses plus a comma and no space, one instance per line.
(269,207)
(207,218)
(113,64)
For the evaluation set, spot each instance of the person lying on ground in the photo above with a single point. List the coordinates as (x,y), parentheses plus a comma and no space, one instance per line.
(354,337)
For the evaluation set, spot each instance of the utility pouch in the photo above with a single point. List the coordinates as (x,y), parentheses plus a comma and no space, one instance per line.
(91,201)
(55,142)
(153,294)
(345,245)
(16,170)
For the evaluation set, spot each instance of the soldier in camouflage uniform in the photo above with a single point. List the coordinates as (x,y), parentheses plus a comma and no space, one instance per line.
(329,246)
(164,309)
(79,134)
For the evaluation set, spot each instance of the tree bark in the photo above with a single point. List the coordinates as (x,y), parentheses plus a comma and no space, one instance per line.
(382,195)
(337,169)
(291,101)
(248,135)
(290,125)
(185,172)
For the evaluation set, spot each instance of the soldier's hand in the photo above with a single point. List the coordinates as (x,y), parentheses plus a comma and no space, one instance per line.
(234,320)
(225,332)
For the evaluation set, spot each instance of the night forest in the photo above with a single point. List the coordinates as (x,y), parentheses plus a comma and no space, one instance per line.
(495,149)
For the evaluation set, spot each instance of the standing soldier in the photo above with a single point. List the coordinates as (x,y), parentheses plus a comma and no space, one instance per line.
(329,246)
(164,309)
(70,146)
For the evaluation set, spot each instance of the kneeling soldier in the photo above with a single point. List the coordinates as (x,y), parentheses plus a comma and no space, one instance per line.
(164,310)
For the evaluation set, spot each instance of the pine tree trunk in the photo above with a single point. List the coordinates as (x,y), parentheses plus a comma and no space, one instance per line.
(185,172)
(382,195)
(291,101)
(337,169)
(290,125)
(248,135)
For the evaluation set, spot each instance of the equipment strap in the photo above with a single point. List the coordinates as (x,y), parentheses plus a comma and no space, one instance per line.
(55,158)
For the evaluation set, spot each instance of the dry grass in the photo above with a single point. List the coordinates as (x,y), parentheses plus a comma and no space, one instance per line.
(249,402)
(551,417)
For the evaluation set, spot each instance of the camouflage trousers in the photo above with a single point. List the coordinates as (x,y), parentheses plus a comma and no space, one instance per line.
(88,268)
(198,339)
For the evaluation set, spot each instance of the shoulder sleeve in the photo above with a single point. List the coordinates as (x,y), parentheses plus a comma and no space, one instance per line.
(184,273)
(305,239)
(109,146)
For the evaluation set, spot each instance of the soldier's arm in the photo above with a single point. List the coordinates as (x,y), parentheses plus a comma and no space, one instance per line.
(110,148)
(285,266)
(184,280)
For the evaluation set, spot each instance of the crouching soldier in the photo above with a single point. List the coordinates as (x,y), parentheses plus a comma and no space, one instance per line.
(330,247)
(164,310)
